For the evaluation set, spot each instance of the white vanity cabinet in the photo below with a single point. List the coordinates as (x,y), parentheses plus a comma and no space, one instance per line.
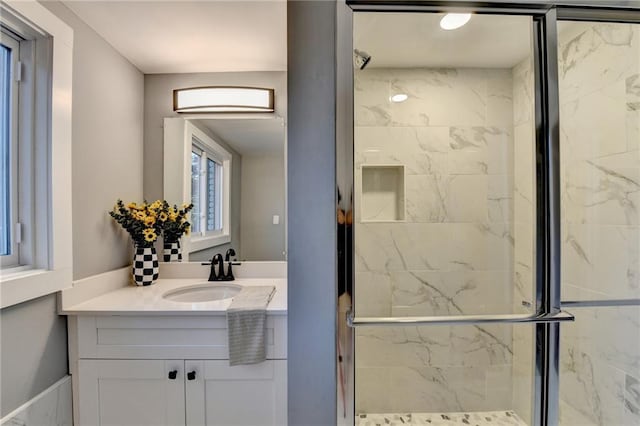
(221,395)
(173,370)
(131,392)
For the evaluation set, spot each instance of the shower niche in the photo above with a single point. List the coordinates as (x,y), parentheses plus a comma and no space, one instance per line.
(382,192)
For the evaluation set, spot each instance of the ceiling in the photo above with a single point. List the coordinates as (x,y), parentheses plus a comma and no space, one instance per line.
(192,36)
(414,40)
(249,136)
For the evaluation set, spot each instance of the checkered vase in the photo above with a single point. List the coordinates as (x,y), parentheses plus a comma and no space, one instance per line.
(145,266)
(172,252)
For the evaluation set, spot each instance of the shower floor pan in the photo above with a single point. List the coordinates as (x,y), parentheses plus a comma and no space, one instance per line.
(494,418)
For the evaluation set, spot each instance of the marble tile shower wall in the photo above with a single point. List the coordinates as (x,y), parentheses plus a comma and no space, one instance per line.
(453,253)
(523,231)
(600,157)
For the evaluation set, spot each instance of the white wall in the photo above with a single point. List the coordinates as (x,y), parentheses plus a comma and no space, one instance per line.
(263,188)
(107,164)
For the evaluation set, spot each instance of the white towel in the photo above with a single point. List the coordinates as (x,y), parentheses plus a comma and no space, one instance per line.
(246,323)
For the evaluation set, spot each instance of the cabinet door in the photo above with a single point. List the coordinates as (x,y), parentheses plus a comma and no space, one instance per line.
(246,395)
(131,392)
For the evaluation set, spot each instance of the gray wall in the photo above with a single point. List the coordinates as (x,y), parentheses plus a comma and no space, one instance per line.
(263,189)
(34,350)
(107,164)
(311,212)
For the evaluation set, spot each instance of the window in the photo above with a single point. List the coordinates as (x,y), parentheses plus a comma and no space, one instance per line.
(9,54)
(197,169)
(36,61)
(206,190)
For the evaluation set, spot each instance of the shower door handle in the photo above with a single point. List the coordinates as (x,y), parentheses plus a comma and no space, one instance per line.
(353,321)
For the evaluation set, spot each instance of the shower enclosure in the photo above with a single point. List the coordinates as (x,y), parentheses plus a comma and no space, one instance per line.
(489,186)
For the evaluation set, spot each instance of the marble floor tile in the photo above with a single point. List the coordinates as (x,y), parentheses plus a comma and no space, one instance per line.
(495,418)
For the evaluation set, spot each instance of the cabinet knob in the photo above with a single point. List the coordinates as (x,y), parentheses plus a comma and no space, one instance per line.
(173,374)
(191,375)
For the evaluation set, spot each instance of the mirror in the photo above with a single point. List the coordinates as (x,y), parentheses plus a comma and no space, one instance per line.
(233,171)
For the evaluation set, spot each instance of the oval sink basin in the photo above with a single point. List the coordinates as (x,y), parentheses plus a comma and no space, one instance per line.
(205,292)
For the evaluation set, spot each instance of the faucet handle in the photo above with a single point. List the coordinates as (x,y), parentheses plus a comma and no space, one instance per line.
(230,252)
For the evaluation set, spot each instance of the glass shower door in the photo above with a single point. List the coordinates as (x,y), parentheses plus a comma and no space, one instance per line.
(454,288)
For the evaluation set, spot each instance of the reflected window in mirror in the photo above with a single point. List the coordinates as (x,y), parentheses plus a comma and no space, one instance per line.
(214,195)
(207,191)
(198,170)
(234,172)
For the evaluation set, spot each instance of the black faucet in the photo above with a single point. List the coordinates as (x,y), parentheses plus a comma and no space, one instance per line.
(217,260)
(229,275)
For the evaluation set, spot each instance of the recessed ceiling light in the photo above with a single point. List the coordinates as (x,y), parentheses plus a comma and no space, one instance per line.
(452,21)
(399,97)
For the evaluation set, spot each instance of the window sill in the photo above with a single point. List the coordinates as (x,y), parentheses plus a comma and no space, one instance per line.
(23,285)
(203,243)
(10,272)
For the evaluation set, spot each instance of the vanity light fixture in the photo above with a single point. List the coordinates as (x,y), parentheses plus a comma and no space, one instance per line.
(399,97)
(452,21)
(223,99)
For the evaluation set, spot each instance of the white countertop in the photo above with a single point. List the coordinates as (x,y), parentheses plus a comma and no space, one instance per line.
(133,300)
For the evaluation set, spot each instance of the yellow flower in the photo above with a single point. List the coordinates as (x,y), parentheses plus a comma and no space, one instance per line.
(132,206)
(150,220)
(149,234)
(173,216)
(139,215)
(163,216)
(156,205)
(187,230)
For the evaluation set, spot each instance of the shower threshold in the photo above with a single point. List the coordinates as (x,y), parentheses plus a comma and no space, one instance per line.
(495,418)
